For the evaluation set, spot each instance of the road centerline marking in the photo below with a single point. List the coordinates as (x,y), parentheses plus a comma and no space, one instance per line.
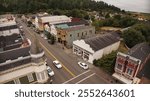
(72,74)
(57,59)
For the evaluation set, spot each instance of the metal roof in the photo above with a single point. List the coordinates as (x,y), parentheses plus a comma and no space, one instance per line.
(102,41)
(140,51)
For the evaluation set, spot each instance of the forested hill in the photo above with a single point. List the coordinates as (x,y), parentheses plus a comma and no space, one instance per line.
(27,6)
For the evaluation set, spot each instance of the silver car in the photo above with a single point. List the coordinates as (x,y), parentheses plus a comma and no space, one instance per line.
(83,65)
(50,71)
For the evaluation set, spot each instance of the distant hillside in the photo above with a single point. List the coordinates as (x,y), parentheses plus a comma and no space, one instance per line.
(28,6)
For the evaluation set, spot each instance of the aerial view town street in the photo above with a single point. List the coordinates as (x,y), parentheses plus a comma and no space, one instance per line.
(73,42)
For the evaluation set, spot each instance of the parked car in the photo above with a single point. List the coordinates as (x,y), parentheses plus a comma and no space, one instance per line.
(45,38)
(42,35)
(50,71)
(57,64)
(37,31)
(83,65)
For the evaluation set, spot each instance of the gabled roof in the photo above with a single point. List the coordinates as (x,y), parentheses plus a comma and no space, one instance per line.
(145,71)
(102,41)
(140,51)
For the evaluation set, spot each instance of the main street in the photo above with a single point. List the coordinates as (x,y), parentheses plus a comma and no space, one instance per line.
(70,73)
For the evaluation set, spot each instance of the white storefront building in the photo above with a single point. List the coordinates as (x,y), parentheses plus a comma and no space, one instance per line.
(40,22)
(96,47)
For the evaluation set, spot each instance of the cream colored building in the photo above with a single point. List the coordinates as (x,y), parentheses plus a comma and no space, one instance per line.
(96,47)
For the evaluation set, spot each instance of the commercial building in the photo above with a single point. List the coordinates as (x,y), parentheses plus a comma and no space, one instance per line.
(96,47)
(133,66)
(41,21)
(66,35)
(17,62)
(8,26)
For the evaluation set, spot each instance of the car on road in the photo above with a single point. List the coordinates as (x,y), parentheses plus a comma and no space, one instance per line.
(37,31)
(50,71)
(45,38)
(57,64)
(83,65)
(42,35)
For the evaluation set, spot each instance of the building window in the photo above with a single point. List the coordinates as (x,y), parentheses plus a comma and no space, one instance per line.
(78,34)
(17,81)
(82,33)
(129,71)
(119,67)
(38,76)
(43,76)
(86,33)
(30,77)
(70,35)
(90,31)
(75,49)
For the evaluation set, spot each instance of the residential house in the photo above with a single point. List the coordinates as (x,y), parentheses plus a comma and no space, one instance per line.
(133,66)
(96,47)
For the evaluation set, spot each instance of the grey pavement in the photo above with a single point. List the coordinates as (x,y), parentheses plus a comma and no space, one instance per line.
(69,61)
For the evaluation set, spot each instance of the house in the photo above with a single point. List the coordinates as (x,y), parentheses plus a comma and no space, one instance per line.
(41,21)
(66,35)
(133,66)
(18,64)
(96,47)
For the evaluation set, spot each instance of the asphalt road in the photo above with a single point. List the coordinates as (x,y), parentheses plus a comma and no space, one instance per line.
(71,73)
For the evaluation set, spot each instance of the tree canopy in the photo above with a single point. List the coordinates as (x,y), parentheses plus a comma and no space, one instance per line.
(30,6)
(116,21)
(137,34)
(107,62)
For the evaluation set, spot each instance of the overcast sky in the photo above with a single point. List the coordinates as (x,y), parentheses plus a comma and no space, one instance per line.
(131,5)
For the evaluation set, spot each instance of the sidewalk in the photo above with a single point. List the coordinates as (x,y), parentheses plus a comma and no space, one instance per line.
(97,70)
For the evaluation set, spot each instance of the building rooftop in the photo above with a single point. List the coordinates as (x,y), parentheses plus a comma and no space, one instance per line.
(71,24)
(8,27)
(6,41)
(140,51)
(78,28)
(14,51)
(145,71)
(99,42)
(54,18)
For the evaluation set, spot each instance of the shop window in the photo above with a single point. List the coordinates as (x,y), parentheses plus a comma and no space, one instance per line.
(129,71)
(17,81)
(119,67)
(30,77)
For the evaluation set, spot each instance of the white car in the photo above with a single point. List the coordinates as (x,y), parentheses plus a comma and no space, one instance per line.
(83,65)
(57,64)
(42,35)
(45,38)
(50,71)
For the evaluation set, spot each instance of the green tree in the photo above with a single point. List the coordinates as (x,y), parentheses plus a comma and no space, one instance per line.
(107,62)
(133,37)
(107,15)
(30,6)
